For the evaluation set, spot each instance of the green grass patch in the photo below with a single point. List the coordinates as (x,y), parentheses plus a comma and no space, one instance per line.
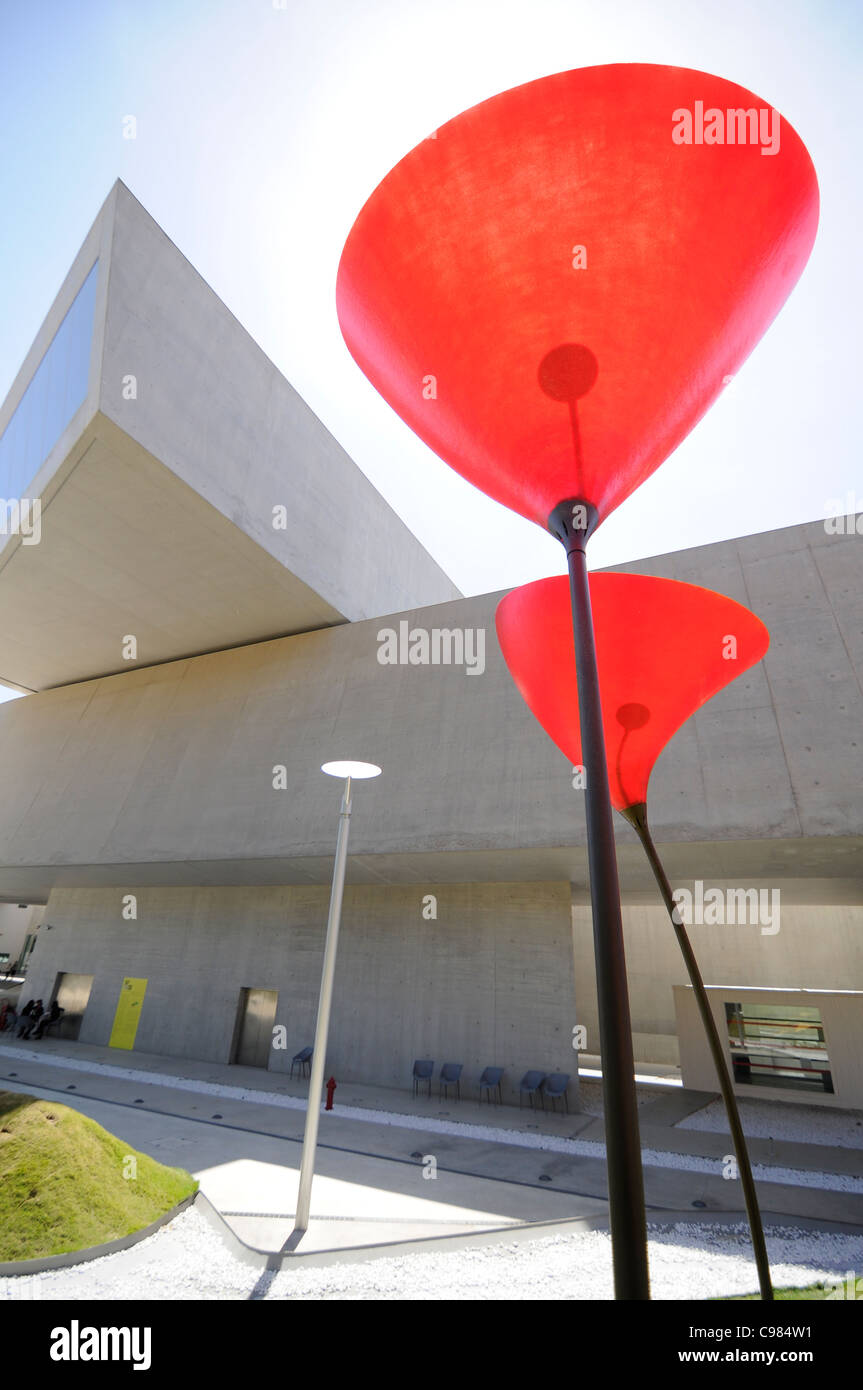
(780,1295)
(67,1184)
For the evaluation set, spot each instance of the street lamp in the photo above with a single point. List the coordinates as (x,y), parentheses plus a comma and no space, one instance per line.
(349,771)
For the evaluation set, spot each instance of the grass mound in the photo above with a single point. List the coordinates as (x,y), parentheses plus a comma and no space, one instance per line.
(67,1184)
(809,1291)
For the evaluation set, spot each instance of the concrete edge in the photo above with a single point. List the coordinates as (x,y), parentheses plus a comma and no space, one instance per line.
(280,1259)
(94,1252)
(523,1231)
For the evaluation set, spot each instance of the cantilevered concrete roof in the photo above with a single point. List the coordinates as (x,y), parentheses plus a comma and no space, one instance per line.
(160,493)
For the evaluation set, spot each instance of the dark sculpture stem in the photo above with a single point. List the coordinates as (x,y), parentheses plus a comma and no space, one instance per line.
(572,523)
(637,818)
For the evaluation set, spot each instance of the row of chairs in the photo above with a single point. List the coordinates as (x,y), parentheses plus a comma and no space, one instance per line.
(533,1084)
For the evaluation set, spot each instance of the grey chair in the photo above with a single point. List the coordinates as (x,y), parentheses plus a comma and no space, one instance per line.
(423,1072)
(303,1060)
(531,1085)
(490,1081)
(555,1087)
(450,1075)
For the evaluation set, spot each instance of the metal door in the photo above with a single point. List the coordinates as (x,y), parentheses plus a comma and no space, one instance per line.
(72,993)
(255,1018)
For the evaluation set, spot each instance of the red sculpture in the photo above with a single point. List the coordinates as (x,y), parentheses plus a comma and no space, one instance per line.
(553,290)
(663,649)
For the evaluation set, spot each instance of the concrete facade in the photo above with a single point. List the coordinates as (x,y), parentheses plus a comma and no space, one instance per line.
(174,768)
(487,981)
(165,775)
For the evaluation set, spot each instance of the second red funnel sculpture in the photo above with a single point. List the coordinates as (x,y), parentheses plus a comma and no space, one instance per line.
(663,648)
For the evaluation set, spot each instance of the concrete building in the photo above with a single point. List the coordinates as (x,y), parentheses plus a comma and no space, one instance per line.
(19,930)
(199,643)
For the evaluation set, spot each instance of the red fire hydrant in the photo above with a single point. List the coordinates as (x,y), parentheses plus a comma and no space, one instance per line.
(331,1086)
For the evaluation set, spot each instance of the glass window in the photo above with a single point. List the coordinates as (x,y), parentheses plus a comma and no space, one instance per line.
(56,390)
(779,1045)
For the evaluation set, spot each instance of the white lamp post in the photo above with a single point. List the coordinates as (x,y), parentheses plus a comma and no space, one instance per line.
(348,771)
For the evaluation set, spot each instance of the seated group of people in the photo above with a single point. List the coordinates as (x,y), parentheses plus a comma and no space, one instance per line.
(34,1019)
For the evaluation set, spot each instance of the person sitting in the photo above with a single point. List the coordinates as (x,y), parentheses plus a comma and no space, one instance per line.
(46,1020)
(35,1014)
(24,1019)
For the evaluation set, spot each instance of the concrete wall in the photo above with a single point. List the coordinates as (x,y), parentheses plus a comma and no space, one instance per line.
(806,585)
(818,946)
(489,982)
(841,1014)
(171,766)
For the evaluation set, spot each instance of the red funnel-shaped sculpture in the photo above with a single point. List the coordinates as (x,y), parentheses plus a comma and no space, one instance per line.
(553,289)
(663,649)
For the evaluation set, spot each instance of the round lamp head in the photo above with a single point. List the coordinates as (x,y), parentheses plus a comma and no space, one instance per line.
(351,769)
(553,290)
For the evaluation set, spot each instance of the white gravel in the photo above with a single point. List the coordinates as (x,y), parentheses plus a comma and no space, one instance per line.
(187,1260)
(800,1124)
(156,1078)
(590,1097)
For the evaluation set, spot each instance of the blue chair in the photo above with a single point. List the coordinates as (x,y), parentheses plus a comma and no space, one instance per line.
(555,1087)
(303,1060)
(450,1075)
(530,1085)
(423,1072)
(490,1081)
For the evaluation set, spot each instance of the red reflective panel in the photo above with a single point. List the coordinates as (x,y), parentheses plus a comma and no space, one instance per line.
(663,648)
(552,290)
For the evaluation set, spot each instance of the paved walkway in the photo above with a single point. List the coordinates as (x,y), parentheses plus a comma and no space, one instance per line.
(239,1130)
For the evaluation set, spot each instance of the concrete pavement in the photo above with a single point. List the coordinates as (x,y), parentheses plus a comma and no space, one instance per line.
(242,1139)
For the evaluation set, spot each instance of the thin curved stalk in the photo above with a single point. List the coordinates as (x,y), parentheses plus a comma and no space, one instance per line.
(637,818)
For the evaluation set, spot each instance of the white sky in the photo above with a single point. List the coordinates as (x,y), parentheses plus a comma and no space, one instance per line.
(261,131)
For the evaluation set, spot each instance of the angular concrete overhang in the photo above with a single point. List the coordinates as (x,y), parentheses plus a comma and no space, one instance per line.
(165,775)
(190,499)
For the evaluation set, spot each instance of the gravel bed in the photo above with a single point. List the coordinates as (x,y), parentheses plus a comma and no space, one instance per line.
(800,1124)
(590,1096)
(186,1260)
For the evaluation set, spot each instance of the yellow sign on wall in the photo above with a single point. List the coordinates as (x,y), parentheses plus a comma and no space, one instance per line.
(128,1013)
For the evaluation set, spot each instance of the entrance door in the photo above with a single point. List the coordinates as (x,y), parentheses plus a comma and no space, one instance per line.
(128,1013)
(255,1017)
(72,993)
